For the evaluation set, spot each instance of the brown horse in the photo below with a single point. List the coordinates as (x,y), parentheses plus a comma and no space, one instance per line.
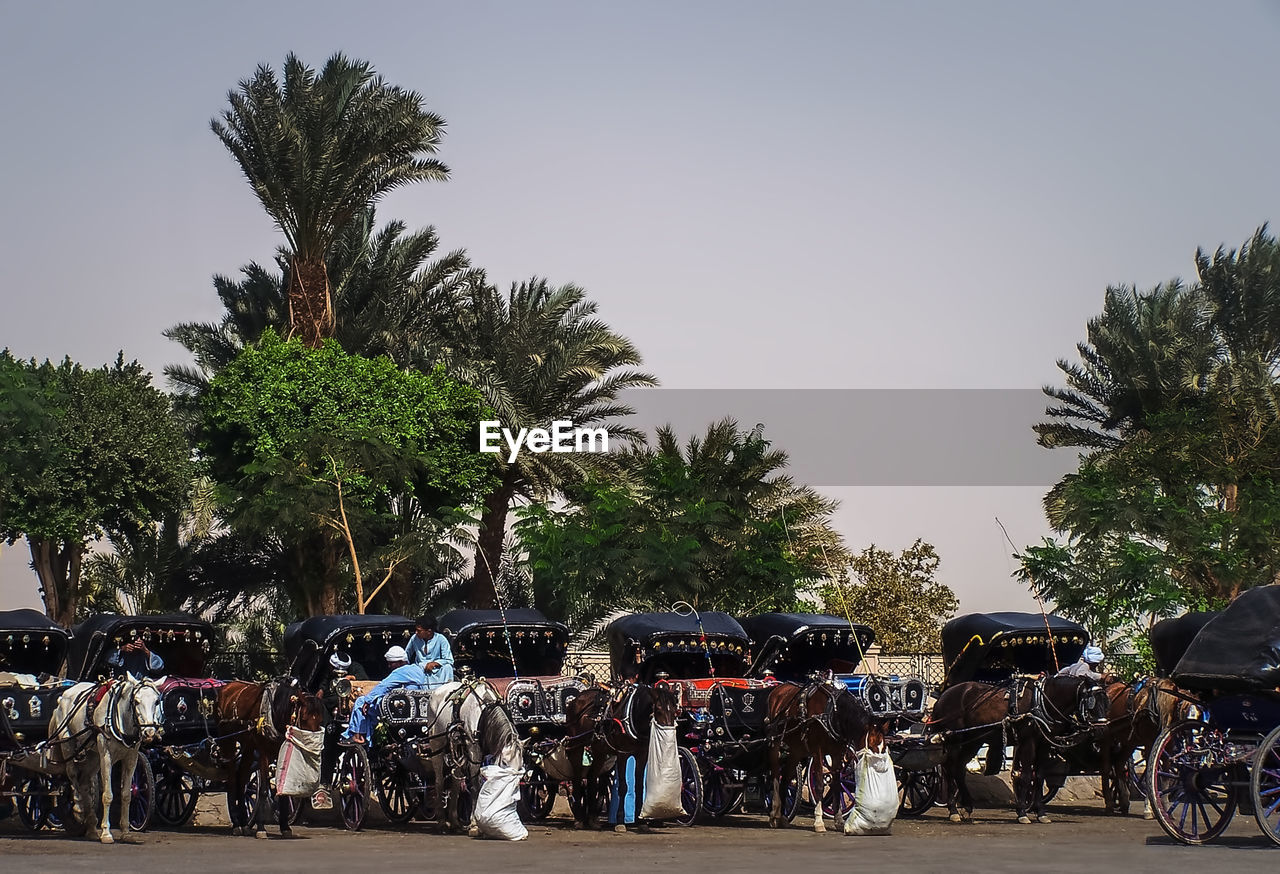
(820,723)
(601,725)
(252,718)
(1155,703)
(1035,714)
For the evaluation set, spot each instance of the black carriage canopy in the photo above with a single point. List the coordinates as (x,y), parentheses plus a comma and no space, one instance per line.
(487,640)
(182,641)
(32,643)
(990,647)
(1171,637)
(793,645)
(1239,649)
(673,643)
(365,638)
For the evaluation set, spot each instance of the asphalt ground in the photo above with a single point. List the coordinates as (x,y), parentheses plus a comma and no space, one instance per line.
(1081,840)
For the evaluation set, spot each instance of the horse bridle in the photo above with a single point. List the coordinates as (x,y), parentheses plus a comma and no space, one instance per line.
(114,694)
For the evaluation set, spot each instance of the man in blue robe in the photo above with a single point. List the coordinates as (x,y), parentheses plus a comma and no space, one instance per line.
(431,651)
(364,714)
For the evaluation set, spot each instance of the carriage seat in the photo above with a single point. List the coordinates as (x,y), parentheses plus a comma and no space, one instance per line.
(743,710)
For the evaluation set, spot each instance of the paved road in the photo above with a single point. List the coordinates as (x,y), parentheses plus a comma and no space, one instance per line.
(1080,840)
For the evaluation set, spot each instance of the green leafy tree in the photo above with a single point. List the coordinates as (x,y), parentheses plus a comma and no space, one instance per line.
(323,449)
(539,355)
(715,522)
(95,452)
(897,595)
(1176,407)
(318,149)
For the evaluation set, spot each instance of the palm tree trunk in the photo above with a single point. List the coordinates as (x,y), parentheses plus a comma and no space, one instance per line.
(493,529)
(310,306)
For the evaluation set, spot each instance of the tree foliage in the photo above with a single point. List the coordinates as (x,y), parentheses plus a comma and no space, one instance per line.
(287,430)
(1175,406)
(897,595)
(83,453)
(715,522)
(317,149)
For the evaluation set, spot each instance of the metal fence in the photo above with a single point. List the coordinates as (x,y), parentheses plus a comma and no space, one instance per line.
(927,666)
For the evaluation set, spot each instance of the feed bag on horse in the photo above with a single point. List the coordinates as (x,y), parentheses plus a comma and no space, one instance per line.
(876,798)
(497,813)
(299,765)
(662,780)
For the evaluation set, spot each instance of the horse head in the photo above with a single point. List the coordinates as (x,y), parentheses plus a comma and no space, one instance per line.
(146,708)
(851,721)
(666,706)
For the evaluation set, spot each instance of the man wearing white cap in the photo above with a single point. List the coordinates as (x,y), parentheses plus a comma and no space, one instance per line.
(364,714)
(1090,665)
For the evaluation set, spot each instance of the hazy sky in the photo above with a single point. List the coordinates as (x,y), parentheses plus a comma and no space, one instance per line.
(834,195)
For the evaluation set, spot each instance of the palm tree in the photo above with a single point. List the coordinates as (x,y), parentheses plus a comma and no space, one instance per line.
(1146,353)
(388,298)
(319,149)
(538,355)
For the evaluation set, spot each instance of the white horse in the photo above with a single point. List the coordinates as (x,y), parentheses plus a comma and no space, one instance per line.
(93,728)
(470,726)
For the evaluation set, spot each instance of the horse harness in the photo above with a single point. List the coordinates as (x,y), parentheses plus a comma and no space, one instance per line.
(113,691)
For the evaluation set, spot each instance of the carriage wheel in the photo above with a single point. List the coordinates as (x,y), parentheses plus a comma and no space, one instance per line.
(176,793)
(290,805)
(63,813)
(790,793)
(690,788)
(1049,793)
(537,795)
(1264,785)
(1137,774)
(142,795)
(842,788)
(918,790)
(717,796)
(400,794)
(1191,789)
(34,802)
(355,781)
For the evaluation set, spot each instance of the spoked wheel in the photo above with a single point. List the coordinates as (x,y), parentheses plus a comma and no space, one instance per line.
(917,791)
(537,795)
(1190,786)
(1264,786)
(354,784)
(63,813)
(35,801)
(1049,793)
(252,798)
(400,794)
(142,797)
(1137,773)
(718,794)
(176,793)
(690,788)
(836,789)
(790,794)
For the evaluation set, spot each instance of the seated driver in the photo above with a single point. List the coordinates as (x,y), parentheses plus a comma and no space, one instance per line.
(136,658)
(1089,666)
(364,713)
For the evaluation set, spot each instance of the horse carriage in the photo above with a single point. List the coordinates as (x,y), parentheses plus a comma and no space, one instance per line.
(704,659)
(33,651)
(186,763)
(1203,769)
(802,647)
(1001,690)
(393,766)
(522,655)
